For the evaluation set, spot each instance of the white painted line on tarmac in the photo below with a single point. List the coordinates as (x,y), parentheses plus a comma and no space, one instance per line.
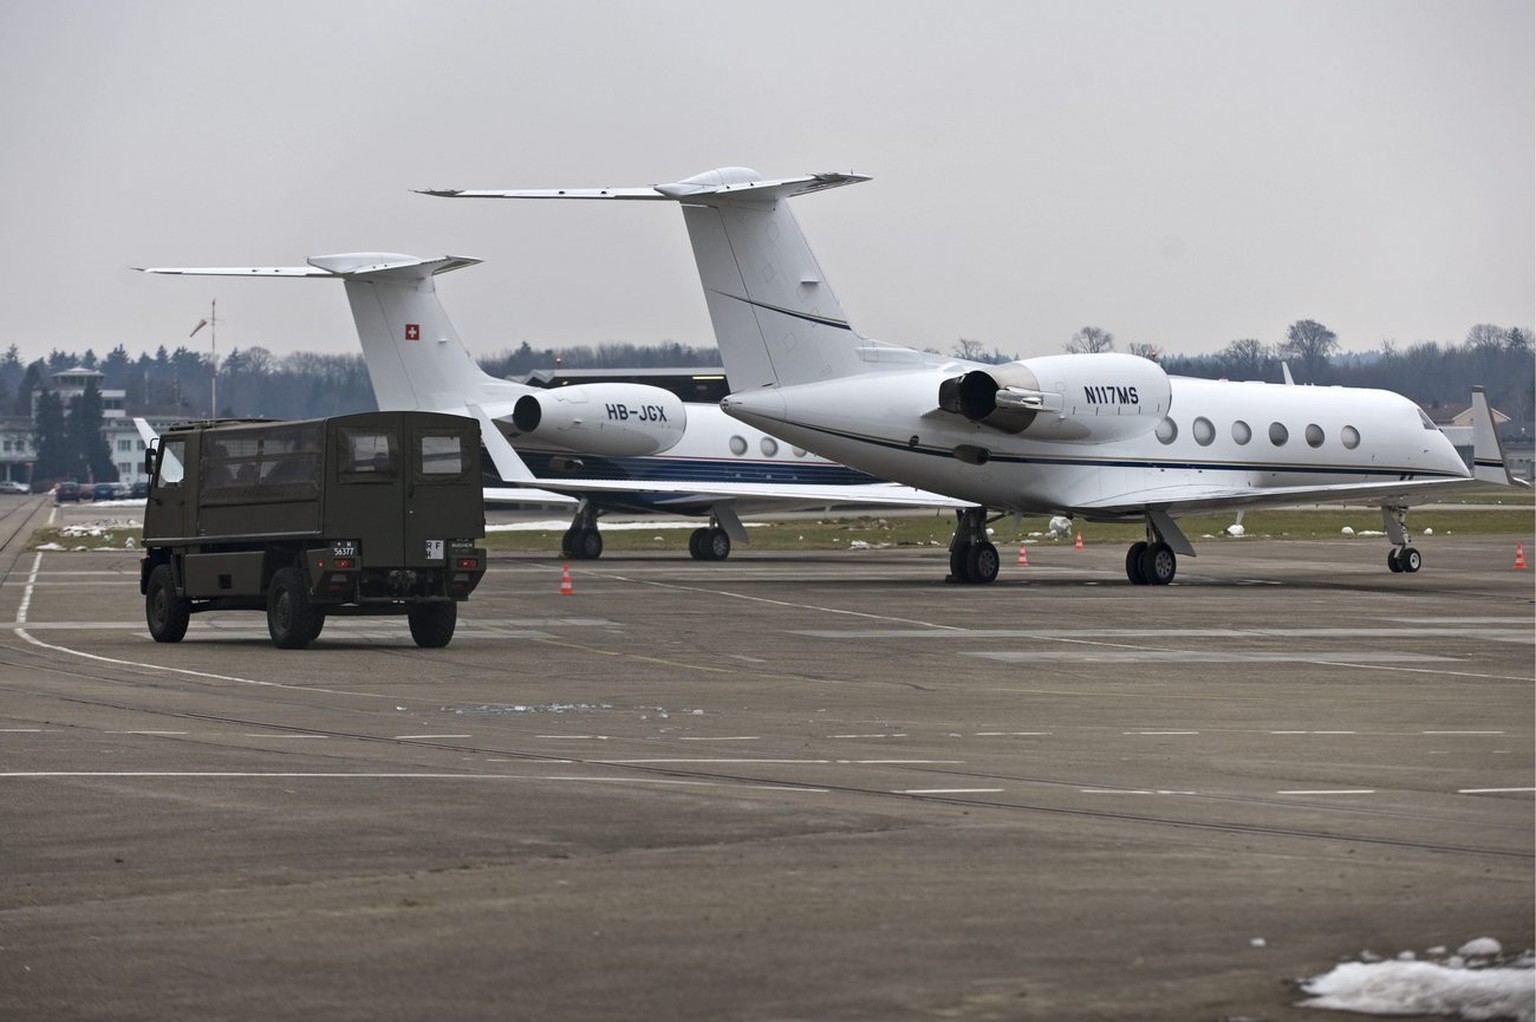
(1329,791)
(21,632)
(948,791)
(1461,732)
(1490,791)
(897,734)
(633,762)
(902,762)
(21,730)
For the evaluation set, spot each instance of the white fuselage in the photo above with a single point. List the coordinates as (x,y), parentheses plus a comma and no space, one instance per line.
(1224,442)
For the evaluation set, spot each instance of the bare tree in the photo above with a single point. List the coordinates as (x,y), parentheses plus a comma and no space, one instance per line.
(970,350)
(1247,358)
(1309,344)
(1091,339)
(1144,349)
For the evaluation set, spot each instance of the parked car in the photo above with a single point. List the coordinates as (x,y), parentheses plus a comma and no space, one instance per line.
(139,490)
(104,491)
(13,486)
(66,492)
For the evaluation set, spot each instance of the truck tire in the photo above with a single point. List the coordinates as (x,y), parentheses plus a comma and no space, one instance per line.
(432,624)
(292,621)
(166,613)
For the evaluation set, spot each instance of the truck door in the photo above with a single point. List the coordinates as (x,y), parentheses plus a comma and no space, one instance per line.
(165,513)
(445,500)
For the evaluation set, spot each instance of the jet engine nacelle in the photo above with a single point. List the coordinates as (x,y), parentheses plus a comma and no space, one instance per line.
(619,420)
(1089,398)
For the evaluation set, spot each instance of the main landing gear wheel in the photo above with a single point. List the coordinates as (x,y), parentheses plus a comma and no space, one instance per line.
(709,544)
(584,544)
(1158,564)
(981,564)
(1408,559)
(1133,558)
(973,559)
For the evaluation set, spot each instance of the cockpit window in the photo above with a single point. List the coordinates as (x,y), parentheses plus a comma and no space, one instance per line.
(1427,421)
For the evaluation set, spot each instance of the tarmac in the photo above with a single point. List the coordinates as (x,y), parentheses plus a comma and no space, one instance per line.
(778,787)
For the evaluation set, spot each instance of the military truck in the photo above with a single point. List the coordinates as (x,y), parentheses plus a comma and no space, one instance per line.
(376,513)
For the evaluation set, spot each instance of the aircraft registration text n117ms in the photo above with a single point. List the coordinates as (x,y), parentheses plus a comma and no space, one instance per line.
(1104,437)
(611,446)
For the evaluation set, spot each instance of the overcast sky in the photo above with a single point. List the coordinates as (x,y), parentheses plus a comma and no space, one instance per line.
(1178,173)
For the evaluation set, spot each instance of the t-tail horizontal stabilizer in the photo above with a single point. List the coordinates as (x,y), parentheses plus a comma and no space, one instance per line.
(414,356)
(776,318)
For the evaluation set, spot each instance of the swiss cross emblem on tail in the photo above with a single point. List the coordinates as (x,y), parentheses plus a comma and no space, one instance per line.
(413,331)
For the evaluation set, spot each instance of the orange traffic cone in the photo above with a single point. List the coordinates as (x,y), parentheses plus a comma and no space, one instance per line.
(1520,556)
(565,582)
(1078,546)
(1023,556)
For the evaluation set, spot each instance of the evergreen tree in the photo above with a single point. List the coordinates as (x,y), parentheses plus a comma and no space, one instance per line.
(48,439)
(87,448)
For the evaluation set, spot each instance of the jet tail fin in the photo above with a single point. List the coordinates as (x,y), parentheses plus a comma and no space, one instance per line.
(1488,461)
(776,319)
(414,356)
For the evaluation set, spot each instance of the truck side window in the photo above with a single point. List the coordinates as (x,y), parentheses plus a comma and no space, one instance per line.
(368,454)
(441,456)
(173,456)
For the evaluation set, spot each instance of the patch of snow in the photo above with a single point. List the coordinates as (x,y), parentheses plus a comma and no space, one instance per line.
(1475,985)
(1347,531)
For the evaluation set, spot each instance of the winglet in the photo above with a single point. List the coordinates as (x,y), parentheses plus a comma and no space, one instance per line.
(1488,461)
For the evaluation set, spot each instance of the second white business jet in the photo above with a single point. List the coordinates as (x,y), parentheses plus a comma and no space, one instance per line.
(1104,437)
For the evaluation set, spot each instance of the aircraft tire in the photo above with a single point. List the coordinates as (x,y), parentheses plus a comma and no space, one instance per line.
(958,557)
(1410,560)
(1159,564)
(292,621)
(1133,558)
(166,613)
(587,545)
(981,564)
(1393,564)
(432,624)
(716,544)
(696,544)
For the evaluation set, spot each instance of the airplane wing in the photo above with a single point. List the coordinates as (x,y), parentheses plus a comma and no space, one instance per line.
(884,494)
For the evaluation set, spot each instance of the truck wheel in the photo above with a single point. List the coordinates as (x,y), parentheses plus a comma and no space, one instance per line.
(292,620)
(166,612)
(432,623)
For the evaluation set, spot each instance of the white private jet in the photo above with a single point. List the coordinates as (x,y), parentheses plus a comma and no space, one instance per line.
(1104,437)
(608,446)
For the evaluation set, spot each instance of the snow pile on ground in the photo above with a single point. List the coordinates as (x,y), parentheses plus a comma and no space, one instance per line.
(1478,983)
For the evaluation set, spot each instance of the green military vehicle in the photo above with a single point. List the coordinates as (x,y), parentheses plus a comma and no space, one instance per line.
(376,513)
